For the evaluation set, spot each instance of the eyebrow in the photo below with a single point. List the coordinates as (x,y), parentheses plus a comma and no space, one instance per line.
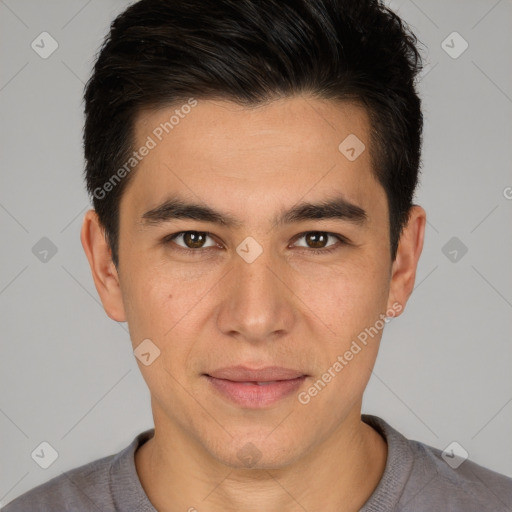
(176,208)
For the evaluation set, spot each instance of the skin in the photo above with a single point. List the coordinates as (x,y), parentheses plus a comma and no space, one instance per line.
(289,307)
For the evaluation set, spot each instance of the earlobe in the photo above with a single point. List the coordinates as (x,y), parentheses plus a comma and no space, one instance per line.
(404,267)
(104,272)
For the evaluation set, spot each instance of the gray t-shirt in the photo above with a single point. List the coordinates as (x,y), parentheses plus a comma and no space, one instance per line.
(416,478)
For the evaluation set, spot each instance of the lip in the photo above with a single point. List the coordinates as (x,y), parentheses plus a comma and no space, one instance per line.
(255,388)
(245,374)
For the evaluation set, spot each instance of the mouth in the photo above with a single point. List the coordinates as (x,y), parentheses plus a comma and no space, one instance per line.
(255,388)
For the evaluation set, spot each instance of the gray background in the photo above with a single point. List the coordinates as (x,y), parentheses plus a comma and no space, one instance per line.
(67,372)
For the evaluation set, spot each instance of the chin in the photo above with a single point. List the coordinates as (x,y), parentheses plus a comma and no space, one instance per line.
(257,452)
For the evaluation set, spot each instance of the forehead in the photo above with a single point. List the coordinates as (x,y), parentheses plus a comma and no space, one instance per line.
(220,153)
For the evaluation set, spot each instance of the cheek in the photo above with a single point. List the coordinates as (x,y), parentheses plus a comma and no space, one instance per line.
(169,308)
(151,303)
(354,304)
(157,310)
(352,297)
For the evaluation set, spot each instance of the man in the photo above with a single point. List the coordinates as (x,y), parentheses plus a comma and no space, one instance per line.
(252,165)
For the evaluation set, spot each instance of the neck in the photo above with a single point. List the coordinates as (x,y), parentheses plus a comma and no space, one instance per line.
(337,475)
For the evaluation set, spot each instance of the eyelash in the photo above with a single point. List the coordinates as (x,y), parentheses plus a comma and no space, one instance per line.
(341,239)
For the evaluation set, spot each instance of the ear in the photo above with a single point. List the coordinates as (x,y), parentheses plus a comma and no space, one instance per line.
(403,270)
(103,270)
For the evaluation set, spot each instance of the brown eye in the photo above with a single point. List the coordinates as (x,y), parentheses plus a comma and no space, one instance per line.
(317,242)
(190,240)
(194,239)
(316,239)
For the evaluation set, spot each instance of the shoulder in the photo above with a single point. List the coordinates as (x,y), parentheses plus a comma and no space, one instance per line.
(417,477)
(82,488)
(90,487)
(468,486)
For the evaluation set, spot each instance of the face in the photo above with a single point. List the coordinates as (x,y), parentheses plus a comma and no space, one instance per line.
(266,306)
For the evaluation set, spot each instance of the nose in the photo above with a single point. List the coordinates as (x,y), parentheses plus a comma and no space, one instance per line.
(257,303)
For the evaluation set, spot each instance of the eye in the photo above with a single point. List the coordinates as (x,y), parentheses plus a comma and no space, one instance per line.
(316,241)
(193,241)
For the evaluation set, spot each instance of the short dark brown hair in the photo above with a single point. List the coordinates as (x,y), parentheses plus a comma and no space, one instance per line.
(160,52)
